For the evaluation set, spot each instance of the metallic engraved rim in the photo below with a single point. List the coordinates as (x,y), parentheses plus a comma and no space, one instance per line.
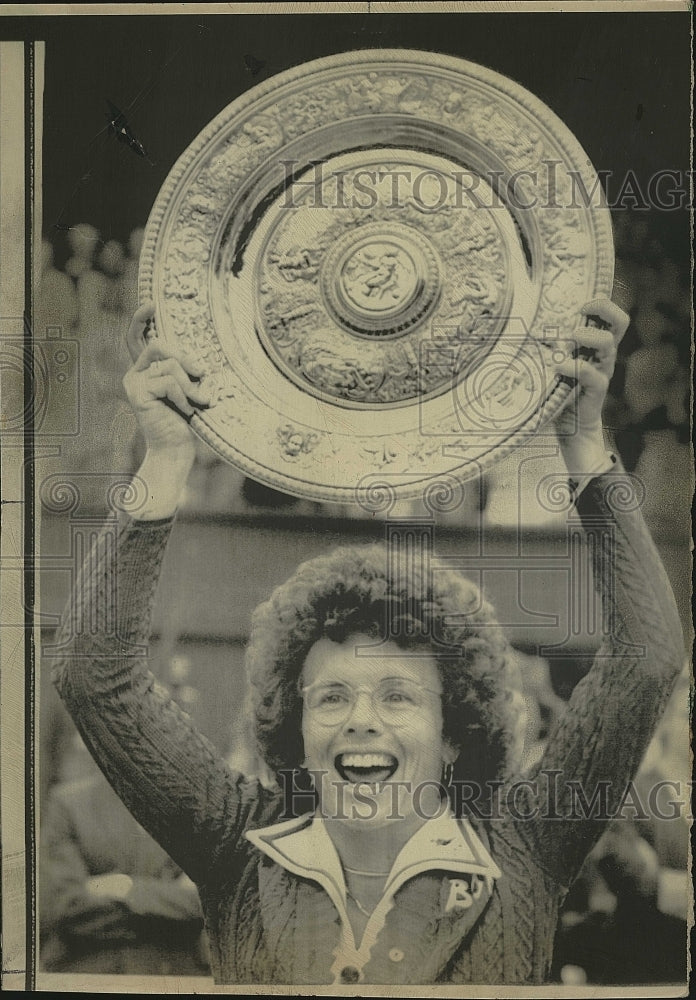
(329,460)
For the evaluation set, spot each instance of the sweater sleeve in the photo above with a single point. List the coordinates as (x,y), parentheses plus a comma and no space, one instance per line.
(598,743)
(167,773)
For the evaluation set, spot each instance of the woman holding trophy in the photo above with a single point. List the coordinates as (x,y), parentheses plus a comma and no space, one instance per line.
(378,692)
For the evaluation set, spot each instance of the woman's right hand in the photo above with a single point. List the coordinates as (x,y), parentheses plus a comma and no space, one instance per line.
(163,389)
(161,386)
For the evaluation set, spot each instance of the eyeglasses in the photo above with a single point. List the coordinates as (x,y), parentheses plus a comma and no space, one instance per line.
(396,700)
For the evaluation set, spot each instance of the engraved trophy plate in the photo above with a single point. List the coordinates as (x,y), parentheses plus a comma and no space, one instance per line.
(376,257)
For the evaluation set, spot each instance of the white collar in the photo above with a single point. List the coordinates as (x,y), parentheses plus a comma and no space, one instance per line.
(303,846)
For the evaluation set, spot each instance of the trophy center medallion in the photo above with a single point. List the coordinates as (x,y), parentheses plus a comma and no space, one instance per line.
(375,305)
(379,278)
(378,282)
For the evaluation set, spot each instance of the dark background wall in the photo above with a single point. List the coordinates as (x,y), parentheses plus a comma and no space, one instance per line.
(621,82)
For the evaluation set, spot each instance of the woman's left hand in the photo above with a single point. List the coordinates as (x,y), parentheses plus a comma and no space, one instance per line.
(591,364)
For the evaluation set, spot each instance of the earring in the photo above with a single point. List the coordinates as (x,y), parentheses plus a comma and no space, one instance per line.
(447,774)
(303,779)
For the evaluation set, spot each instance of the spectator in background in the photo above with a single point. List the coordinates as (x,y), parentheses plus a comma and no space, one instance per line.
(111,357)
(57,299)
(543,707)
(648,406)
(243,755)
(83,241)
(107,428)
(112,901)
(109,354)
(129,275)
(667,769)
(112,261)
(615,927)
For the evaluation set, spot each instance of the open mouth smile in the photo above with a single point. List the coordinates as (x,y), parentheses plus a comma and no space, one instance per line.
(371,768)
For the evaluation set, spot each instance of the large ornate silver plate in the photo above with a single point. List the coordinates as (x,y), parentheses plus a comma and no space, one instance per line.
(377,257)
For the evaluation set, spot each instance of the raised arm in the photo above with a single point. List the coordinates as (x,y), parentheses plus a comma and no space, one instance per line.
(598,743)
(166,772)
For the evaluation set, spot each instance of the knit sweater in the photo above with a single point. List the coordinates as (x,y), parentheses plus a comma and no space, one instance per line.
(271,920)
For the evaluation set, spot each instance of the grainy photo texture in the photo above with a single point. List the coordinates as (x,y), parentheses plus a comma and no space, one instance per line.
(354,475)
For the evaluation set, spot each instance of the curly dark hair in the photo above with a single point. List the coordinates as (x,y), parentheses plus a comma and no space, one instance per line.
(356,589)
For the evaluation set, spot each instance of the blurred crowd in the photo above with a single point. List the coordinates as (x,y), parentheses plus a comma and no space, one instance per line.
(111,900)
(625,917)
(93,296)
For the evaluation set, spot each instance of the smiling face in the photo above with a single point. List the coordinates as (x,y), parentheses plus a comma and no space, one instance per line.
(357,746)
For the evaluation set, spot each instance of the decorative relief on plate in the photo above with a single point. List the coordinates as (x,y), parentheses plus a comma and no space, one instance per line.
(380,453)
(297,263)
(294,442)
(221,386)
(390,275)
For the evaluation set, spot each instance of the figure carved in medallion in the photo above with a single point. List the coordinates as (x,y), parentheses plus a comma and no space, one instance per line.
(377,271)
